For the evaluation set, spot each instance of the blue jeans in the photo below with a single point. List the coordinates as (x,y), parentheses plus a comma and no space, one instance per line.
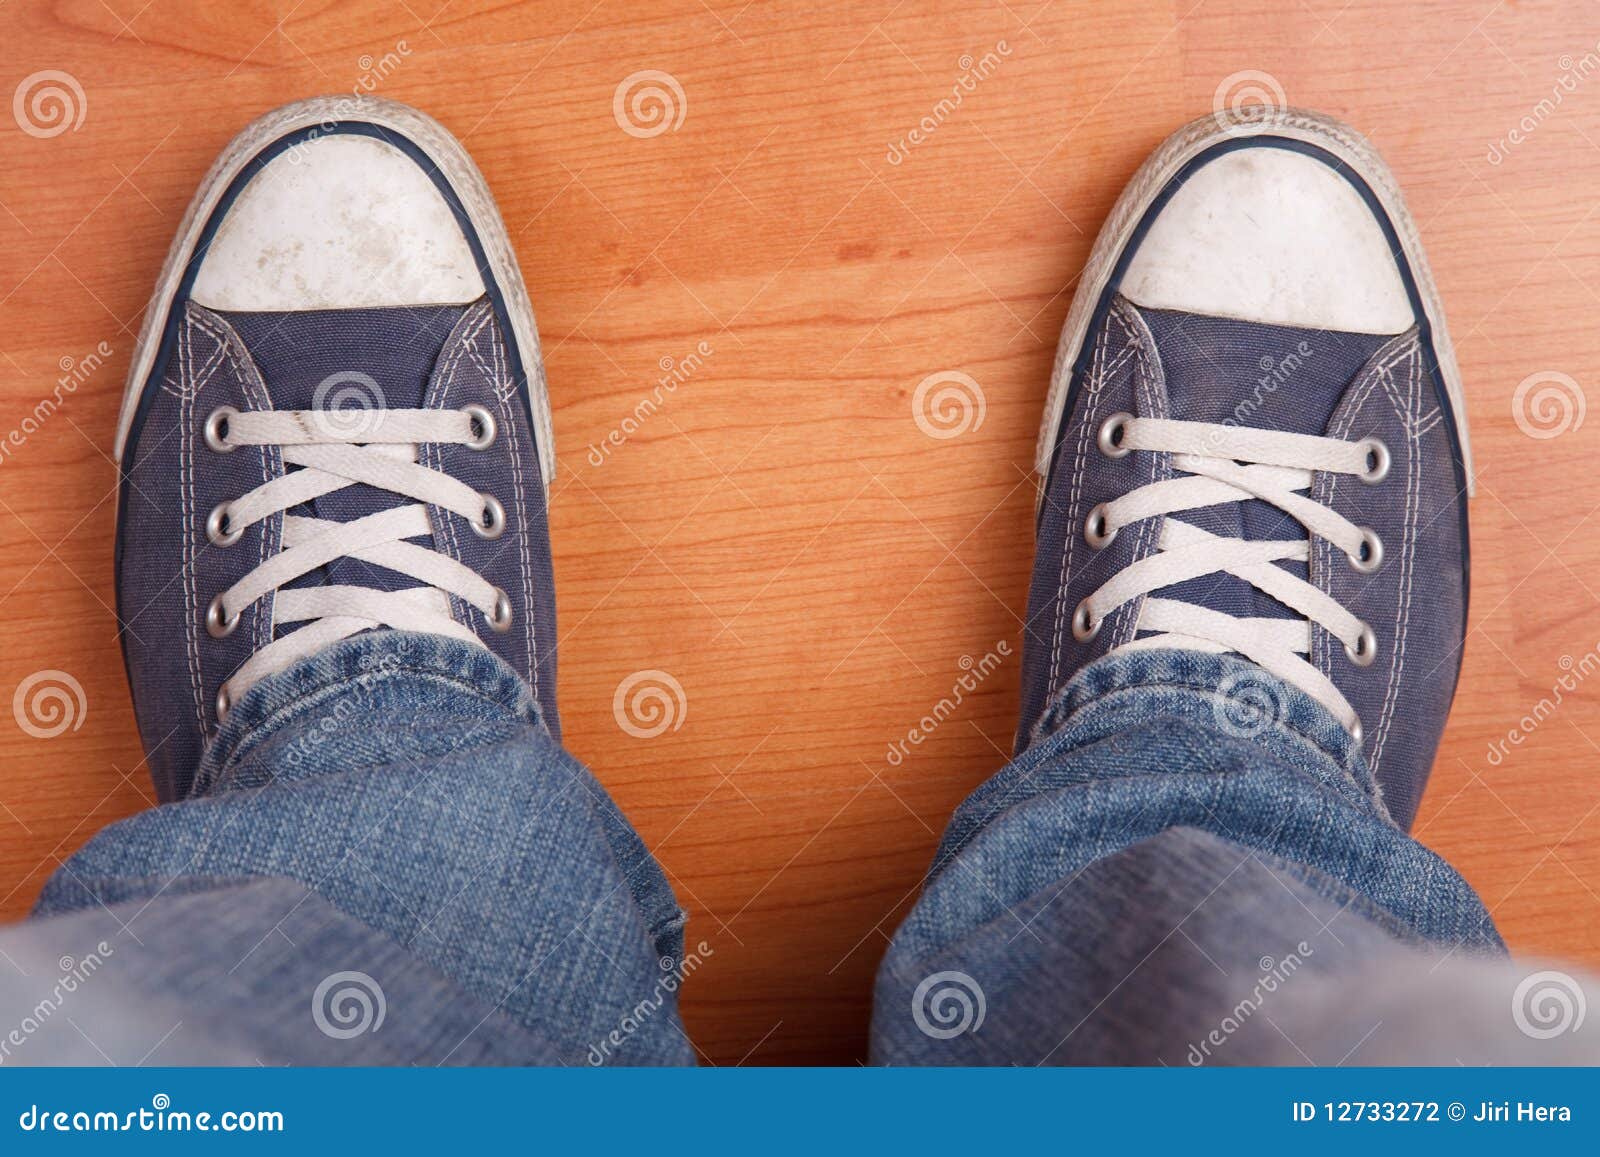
(386,858)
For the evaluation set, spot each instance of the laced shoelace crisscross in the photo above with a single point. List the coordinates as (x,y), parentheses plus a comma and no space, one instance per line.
(336,449)
(1217,464)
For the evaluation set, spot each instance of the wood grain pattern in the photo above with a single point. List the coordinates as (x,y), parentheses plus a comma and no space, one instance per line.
(779,534)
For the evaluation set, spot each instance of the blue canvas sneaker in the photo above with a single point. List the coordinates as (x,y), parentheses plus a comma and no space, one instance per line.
(335,422)
(1255,440)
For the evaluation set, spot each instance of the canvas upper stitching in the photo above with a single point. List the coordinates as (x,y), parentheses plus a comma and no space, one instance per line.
(1408,564)
(435,453)
(255,394)
(524,563)
(1382,369)
(186,513)
(1322,653)
(1091,400)
(1160,464)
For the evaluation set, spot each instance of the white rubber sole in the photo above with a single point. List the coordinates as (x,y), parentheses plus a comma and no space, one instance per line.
(1157,173)
(453,162)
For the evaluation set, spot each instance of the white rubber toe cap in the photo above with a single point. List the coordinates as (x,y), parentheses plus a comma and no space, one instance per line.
(340,222)
(1271,235)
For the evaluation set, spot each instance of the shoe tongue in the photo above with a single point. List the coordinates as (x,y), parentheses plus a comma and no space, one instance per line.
(1271,377)
(348,359)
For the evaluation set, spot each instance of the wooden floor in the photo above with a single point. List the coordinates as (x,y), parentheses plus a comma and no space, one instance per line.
(780,535)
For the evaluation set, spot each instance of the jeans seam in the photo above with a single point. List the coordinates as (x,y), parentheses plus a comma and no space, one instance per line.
(1054,711)
(309,696)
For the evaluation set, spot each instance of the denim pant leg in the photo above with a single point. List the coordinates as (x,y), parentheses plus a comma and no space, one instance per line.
(253,972)
(1170,875)
(408,783)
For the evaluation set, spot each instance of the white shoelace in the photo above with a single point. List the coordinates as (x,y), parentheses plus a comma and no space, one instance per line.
(336,449)
(1222,464)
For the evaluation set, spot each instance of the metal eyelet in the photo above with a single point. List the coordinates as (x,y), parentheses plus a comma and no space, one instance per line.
(1371,556)
(217,527)
(1083,629)
(224,703)
(1356,733)
(1112,432)
(483,426)
(1377,461)
(492,523)
(1366,648)
(218,625)
(1095,531)
(216,429)
(500,620)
